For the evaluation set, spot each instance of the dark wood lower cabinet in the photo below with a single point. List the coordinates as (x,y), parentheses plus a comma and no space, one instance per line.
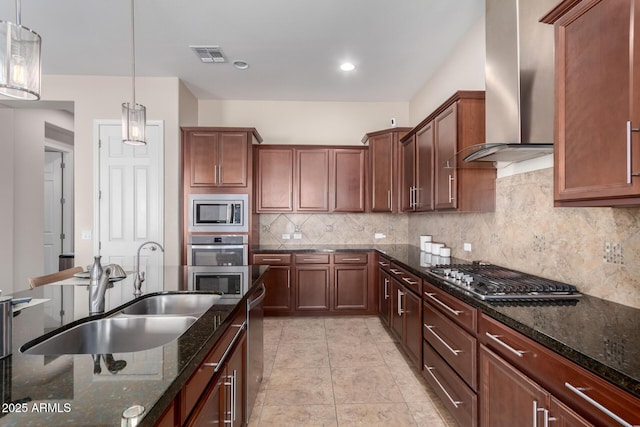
(384,296)
(278,290)
(406,320)
(312,288)
(350,287)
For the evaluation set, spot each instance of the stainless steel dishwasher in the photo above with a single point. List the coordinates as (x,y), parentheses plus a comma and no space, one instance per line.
(255,345)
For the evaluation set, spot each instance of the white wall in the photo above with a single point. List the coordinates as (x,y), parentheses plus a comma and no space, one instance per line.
(289,122)
(101,97)
(462,70)
(6,194)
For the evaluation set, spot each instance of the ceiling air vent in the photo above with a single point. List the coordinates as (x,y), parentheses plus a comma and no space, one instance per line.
(208,54)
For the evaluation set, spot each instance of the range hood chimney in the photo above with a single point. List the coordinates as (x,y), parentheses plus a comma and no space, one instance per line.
(519,82)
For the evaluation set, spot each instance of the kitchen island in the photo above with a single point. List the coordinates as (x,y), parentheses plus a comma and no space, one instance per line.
(78,390)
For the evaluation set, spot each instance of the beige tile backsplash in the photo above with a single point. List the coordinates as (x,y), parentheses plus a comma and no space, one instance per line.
(596,249)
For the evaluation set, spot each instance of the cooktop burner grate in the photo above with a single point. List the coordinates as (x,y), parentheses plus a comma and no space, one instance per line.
(492,282)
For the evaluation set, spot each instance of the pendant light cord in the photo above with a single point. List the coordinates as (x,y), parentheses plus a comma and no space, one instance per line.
(18,13)
(133,57)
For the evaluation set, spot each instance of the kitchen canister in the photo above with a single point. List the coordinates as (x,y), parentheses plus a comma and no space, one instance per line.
(435,248)
(445,252)
(425,243)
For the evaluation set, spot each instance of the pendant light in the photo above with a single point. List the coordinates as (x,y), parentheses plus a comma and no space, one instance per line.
(19,60)
(134,116)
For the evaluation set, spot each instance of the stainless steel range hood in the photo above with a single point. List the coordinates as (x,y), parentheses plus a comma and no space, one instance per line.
(519,83)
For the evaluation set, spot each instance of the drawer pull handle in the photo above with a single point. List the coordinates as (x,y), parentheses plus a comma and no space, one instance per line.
(384,264)
(217,365)
(386,288)
(580,392)
(443,305)
(455,403)
(518,353)
(409,281)
(312,259)
(272,259)
(351,259)
(451,349)
(396,272)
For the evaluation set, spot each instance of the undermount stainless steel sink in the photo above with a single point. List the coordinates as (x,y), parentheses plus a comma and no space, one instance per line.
(173,304)
(120,334)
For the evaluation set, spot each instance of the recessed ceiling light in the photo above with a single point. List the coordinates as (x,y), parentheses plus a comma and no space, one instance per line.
(240,65)
(347,66)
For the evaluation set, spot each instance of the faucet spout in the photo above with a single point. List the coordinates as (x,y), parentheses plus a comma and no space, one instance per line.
(97,289)
(139,279)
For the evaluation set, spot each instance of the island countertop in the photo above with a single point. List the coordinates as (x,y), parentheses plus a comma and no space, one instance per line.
(73,390)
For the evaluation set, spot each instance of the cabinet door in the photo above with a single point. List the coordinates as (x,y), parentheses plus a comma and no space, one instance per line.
(412,334)
(232,159)
(397,308)
(312,288)
(235,392)
(446,143)
(562,416)
(278,290)
(350,286)
(274,180)
(312,172)
(509,398)
(203,154)
(382,154)
(407,168)
(210,410)
(424,169)
(384,295)
(349,169)
(596,71)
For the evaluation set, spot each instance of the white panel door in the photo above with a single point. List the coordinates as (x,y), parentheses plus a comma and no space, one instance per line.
(52,210)
(131,204)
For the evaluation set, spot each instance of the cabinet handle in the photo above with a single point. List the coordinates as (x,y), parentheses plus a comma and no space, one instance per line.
(272,259)
(411,196)
(289,278)
(389,199)
(451,349)
(350,259)
(451,198)
(630,129)
(219,174)
(386,288)
(409,281)
(518,353)
(234,397)
(455,403)
(312,259)
(445,306)
(400,294)
(215,174)
(580,392)
(384,264)
(535,413)
(396,272)
(216,365)
(547,418)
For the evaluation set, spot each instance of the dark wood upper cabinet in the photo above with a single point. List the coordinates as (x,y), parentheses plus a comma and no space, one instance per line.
(274,179)
(349,167)
(407,173)
(217,157)
(423,197)
(312,179)
(384,181)
(597,104)
(446,137)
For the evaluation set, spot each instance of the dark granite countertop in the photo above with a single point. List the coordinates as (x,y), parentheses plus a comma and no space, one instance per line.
(68,390)
(601,336)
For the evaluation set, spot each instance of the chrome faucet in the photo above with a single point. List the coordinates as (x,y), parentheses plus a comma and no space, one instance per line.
(137,284)
(97,287)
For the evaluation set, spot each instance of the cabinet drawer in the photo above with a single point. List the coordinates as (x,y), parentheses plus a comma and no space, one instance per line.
(459,399)
(272,259)
(312,258)
(454,344)
(351,258)
(384,263)
(461,313)
(575,386)
(411,281)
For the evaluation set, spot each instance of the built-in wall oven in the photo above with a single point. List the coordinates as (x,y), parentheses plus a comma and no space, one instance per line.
(232,281)
(219,250)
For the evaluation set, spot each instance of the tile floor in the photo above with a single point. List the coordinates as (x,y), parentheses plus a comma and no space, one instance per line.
(340,371)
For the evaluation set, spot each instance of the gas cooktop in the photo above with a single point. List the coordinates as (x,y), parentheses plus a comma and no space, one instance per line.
(495,283)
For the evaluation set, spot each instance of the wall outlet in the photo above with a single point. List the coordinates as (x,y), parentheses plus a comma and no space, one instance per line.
(86,235)
(297,236)
(286,236)
(467,247)
(379,235)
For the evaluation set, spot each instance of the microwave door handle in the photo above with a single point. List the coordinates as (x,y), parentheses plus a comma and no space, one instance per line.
(230,213)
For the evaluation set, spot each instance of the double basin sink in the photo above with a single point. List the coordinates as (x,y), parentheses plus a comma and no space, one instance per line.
(150,322)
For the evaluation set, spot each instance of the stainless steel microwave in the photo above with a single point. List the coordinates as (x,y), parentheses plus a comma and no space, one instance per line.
(219,213)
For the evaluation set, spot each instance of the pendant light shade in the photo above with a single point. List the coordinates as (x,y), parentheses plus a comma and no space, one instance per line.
(19,60)
(134,116)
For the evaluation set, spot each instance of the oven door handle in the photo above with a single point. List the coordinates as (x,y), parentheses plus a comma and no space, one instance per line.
(258,300)
(192,246)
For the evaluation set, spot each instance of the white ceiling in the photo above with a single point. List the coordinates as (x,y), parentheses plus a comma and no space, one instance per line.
(294,47)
